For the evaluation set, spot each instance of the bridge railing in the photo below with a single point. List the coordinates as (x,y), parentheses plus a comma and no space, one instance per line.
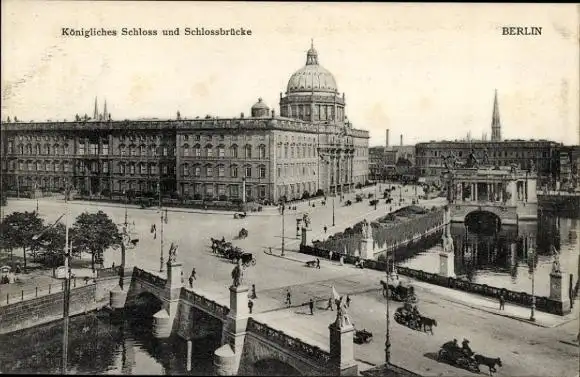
(149,277)
(211,306)
(543,304)
(7,298)
(308,351)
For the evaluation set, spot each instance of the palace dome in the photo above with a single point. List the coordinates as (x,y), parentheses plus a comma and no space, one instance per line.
(260,109)
(312,77)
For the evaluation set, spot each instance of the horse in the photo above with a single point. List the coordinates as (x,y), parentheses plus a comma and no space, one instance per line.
(488,361)
(426,322)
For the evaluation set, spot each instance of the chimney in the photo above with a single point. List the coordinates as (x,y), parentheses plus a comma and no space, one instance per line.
(241,115)
(401,140)
(387,138)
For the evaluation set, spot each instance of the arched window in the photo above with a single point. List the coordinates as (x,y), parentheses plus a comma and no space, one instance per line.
(197,150)
(262,171)
(132,150)
(46,149)
(248,171)
(185,149)
(248,151)
(121,167)
(208,170)
(142,150)
(20,149)
(286,150)
(28,149)
(221,171)
(143,168)
(37,149)
(234,171)
(221,151)
(185,170)
(262,151)
(197,171)
(234,151)
(152,150)
(209,150)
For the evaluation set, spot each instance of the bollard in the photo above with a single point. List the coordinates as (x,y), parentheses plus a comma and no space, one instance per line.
(36,291)
(49,286)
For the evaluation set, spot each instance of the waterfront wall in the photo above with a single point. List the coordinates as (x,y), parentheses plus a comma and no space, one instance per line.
(47,308)
(543,304)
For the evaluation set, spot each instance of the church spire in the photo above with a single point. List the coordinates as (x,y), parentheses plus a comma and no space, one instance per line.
(96,111)
(495,121)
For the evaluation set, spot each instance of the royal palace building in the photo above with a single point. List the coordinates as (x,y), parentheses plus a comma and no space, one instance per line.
(310,146)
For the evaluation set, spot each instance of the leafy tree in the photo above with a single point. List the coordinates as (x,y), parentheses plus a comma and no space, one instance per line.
(52,242)
(18,228)
(95,233)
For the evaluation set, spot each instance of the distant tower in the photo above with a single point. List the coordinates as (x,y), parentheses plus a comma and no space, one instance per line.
(105,111)
(96,111)
(495,122)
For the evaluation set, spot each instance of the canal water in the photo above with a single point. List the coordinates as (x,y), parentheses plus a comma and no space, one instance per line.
(100,345)
(485,256)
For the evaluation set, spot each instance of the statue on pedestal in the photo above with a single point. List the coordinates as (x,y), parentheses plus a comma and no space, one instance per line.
(173,253)
(485,157)
(342,318)
(237,274)
(556,269)
(471,160)
(306,220)
(366,229)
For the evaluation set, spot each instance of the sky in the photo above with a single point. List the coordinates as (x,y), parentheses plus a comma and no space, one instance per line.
(427,71)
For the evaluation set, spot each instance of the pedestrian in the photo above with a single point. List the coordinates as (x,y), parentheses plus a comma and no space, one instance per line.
(113,266)
(190,281)
(347,301)
(193,273)
(181,276)
(325,229)
(329,306)
(155,235)
(330,255)
(254,291)
(288,298)
(250,305)
(317,263)
(311,305)
(501,302)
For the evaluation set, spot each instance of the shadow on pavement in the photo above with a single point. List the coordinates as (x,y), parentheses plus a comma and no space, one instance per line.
(432,356)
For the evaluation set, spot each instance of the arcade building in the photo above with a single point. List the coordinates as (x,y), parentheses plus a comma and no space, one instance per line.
(310,147)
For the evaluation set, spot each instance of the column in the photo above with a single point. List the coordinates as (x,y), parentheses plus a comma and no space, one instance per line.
(476,194)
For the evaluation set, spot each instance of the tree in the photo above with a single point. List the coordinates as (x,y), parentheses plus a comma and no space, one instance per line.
(95,233)
(52,242)
(18,228)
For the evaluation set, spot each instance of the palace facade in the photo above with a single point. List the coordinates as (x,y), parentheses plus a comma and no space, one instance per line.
(312,146)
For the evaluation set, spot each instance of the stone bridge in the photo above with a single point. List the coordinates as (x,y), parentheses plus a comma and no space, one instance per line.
(508,215)
(248,346)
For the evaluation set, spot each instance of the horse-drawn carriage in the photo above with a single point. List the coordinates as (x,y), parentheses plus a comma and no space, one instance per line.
(240,215)
(362,336)
(248,260)
(399,292)
(453,354)
(409,316)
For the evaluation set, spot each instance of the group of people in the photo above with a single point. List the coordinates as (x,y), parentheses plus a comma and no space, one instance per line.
(453,346)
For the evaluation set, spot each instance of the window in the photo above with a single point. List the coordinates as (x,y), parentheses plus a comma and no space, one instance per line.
(143,168)
(10,147)
(20,165)
(30,166)
(185,170)
(132,150)
(234,171)
(262,191)
(46,148)
(142,150)
(65,166)
(279,171)
(209,189)
(262,171)
(209,171)
(262,151)
(132,169)
(39,166)
(93,149)
(164,169)
(37,149)
(196,150)
(152,150)
(153,169)
(221,171)
(164,151)
(20,149)
(105,167)
(221,151)
(234,191)
(105,150)
(222,137)
(185,150)
(286,151)
(122,150)
(209,150)
(248,171)
(234,151)
(94,167)
(221,190)
(81,149)
(248,150)
(122,168)
(197,171)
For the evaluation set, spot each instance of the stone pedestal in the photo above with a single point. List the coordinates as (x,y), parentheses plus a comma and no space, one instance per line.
(559,290)
(367,248)
(234,331)
(305,240)
(224,361)
(447,264)
(342,350)
(174,270)
(117,299)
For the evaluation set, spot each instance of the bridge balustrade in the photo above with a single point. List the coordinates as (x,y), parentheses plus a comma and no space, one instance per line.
(149,277)
(211,306)
(289,343)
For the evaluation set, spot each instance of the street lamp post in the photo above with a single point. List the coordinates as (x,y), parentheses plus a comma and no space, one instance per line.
(333,209)
(388,335)
(283,205)
(532,259)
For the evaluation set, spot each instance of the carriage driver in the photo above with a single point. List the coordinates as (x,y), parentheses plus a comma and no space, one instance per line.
(465,347)
(416,311)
